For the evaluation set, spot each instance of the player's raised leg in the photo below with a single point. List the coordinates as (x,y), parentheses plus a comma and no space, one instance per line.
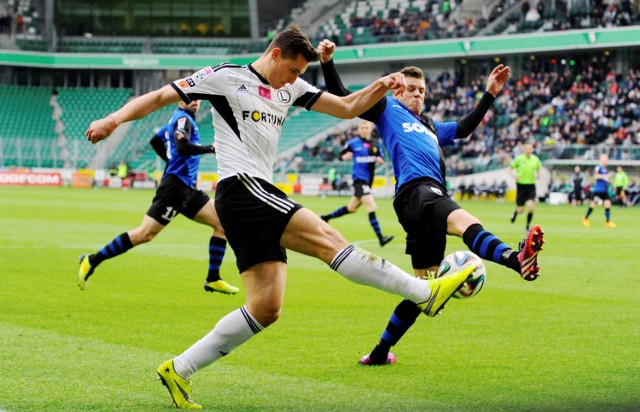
(307,234)
(484,244)
(489,247)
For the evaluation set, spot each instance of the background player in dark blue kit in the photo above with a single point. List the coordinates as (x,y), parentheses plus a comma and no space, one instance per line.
(600,193)
(178,143)
(366,153)
(424,208)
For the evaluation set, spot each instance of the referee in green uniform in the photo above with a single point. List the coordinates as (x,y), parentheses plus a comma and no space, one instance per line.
(525,170)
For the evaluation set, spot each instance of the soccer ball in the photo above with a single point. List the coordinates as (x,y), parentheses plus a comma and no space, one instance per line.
(456,261)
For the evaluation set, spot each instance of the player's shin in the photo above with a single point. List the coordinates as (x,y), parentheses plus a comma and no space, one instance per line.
(230,332)
(362,267)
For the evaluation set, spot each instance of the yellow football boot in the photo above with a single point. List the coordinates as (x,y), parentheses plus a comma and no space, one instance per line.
(179,388)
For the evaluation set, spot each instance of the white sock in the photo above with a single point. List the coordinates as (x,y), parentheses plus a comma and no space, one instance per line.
(367,269)
(231,331)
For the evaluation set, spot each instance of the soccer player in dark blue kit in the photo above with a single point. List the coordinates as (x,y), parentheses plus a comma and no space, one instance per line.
(178,143)
(426,211)
(366,153)
(600,193)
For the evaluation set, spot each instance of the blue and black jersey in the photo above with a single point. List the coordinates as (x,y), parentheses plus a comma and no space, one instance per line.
(365,152)
(601,184)
(183,167)
(413,142)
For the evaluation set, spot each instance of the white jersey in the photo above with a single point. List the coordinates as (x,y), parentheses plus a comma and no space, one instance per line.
(248,114)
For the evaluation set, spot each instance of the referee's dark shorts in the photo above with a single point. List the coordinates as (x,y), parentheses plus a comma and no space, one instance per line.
(524,193)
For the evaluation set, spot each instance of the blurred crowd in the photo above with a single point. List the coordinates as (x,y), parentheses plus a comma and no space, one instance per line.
(593,105)
(437,20)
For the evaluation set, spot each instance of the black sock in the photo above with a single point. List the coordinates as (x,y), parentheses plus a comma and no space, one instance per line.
(373,221)
(119,245)
(403,317)
(486,245)
(217,248)
(529,218)
(588,213)
(341,211)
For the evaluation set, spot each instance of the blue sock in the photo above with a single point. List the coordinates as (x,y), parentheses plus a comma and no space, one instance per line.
(217,248)
(341,211)
(117,246)
(401,320)
(486,245)
(607,214)
(373,220)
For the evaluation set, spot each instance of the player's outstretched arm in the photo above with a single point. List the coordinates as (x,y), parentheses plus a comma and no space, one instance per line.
(348,107)
(135,109)
(495,83)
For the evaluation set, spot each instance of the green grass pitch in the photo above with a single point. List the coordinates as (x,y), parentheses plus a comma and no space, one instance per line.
(568,341)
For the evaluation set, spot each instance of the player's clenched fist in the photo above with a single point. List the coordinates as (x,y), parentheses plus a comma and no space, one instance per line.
(100,129)
(395,82)
(326,49)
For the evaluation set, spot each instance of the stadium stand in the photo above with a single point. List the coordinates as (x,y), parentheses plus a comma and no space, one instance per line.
(79,105)
(27,137)
(381,21)
(360,22)
(566,114)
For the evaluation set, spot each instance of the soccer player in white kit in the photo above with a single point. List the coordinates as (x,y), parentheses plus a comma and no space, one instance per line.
(250,104)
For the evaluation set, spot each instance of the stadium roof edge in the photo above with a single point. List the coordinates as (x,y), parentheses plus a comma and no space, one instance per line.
(599,38)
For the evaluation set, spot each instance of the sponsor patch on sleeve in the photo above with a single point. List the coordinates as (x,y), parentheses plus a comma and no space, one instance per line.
(200,75)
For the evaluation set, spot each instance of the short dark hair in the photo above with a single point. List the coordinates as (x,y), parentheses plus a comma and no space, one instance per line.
(412,71)
(293,41)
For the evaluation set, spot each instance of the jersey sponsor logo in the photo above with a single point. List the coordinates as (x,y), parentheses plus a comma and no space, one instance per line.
(190,82)
(257,116)
(264,92)
(284,96)
(202,74)
(243,88)
(365,159)
(420,128)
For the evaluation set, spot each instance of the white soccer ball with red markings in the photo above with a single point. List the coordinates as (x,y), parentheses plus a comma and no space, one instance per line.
(455,262)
